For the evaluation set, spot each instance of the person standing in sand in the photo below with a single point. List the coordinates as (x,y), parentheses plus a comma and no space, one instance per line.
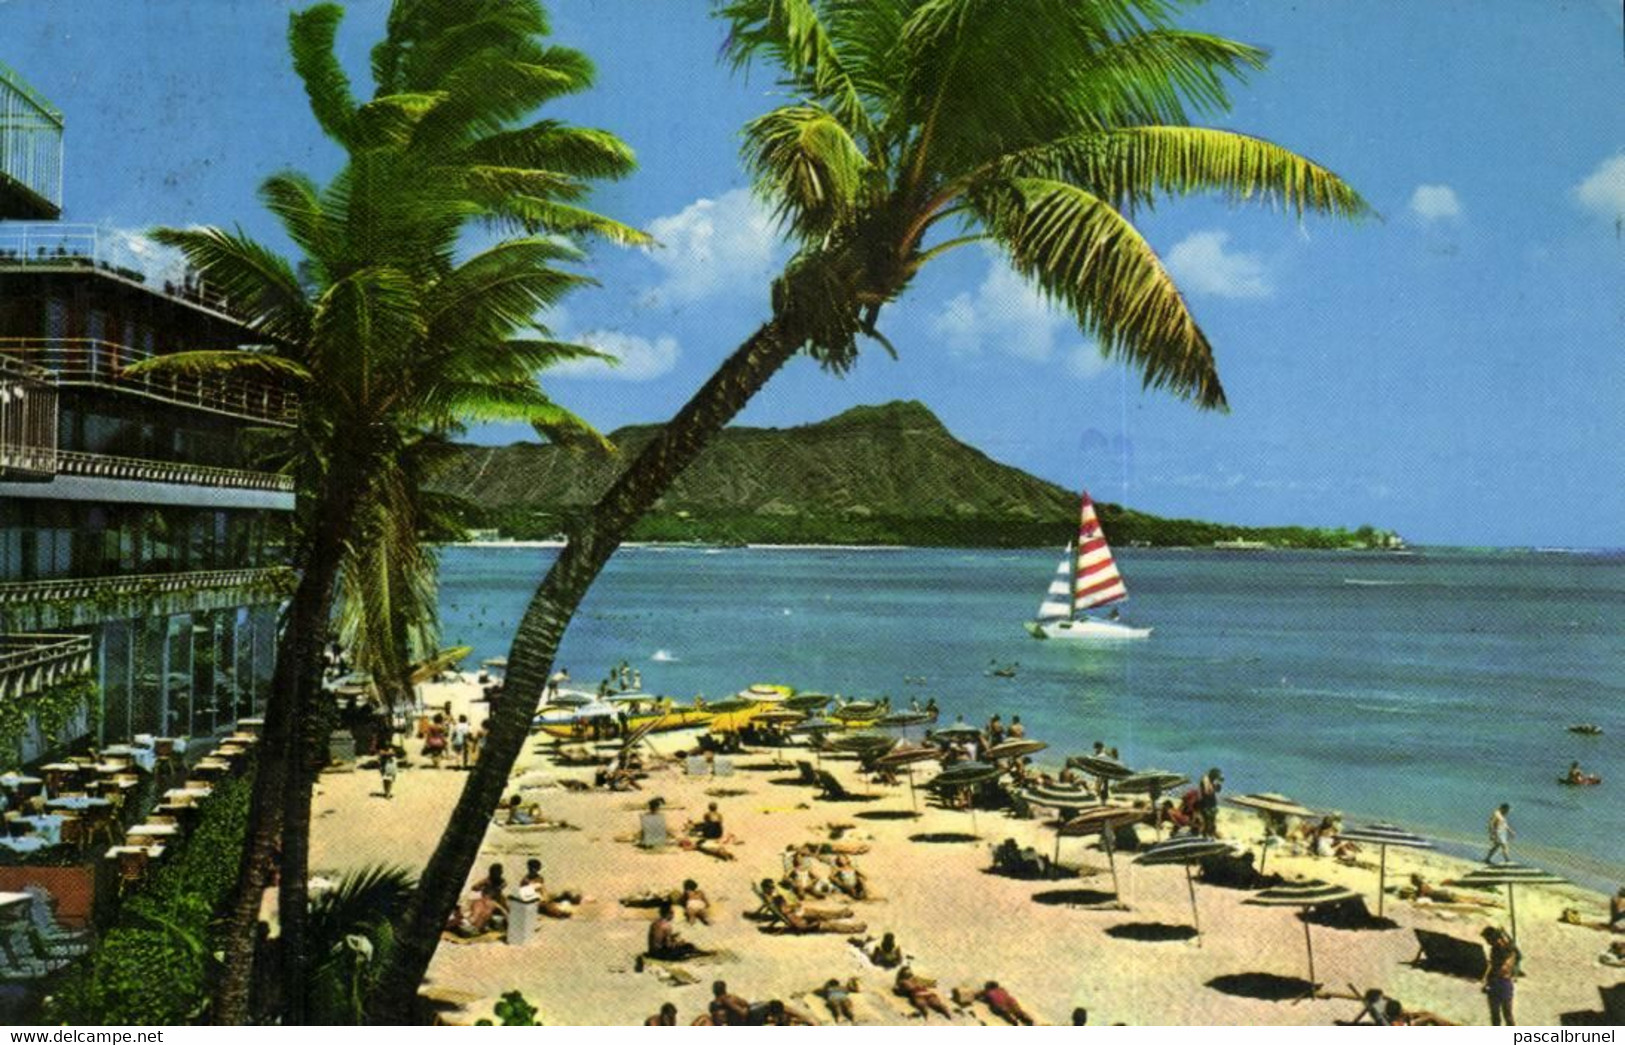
(1498,974)
(1501,834)
(388,770)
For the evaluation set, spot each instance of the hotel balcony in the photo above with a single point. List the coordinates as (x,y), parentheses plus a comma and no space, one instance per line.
(101,364)
(80,602)
(133,469)
(30,151)
(114,253)
(30,663)
(27,421)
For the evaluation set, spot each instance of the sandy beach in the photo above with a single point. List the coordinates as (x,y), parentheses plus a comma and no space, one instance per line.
(1055,945)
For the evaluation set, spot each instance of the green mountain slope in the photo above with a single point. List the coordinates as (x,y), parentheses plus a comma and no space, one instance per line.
(888,474)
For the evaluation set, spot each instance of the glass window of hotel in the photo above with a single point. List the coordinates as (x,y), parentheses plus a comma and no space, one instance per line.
(11,541)
(116,689)
(147,709)
(243,675)
(205,657)
(178,677)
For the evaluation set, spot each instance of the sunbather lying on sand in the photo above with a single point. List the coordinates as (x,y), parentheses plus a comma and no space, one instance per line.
(801,918)
(776,1013)
(838,996)
(918,991)
(554,905)
(1382,1011)
(1420,889)
(666,1017)
(1004,1004)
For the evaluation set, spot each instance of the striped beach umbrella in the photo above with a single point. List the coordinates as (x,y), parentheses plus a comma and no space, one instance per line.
(808,701)
(568,700)
(1308,892)
(1103,768)
(905,756)
(1510,875)
(1057,795)
(1269,802)
(906,718)
(957,731)
(1013,749)
(1103,820)
(1185,851)
(965,774)
(1382,836)
(1153,783)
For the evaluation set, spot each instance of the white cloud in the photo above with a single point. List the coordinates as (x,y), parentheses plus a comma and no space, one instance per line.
(1435,203)
(1004,313)
(1603,191)
(713,245)
(641,358)
(1200,263)
(1085,361)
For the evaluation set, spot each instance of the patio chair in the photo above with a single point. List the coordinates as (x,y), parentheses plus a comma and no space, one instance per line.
(653,833)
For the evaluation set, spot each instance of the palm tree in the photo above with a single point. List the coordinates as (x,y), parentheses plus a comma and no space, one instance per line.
(389,335)
(914,127)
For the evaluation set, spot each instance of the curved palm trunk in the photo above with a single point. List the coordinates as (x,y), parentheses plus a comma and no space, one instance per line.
(299,659)
(536,641)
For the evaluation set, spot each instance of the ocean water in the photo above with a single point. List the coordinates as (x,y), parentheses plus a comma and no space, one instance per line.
(1424,688)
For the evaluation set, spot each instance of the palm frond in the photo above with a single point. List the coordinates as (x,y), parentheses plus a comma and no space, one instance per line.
(224,361)
(1135,166)
(311,33)
(1085,254)
(793,33)
(297,201)
(581,152)
(255,278)
(533,215)
(805,163)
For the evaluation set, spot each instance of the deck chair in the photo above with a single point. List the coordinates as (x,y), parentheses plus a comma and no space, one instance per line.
(1613,1003)
(773,917)
(1441,952)
(653,833)
(723,767)
(809,775)
(834,790)
(696,766)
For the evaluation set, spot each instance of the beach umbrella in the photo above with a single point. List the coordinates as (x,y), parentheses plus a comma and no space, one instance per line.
(816,725)
(494,662)
(1063,798)
(569,700)
(428,668)
(1383,836)
(1013,749)
(778,715)
(1103,768)
(1269,802)
(807,701)
(903,719)
(957,731)
(1187,850)
(1309,892)
(1510,875)
(1103,820)
(904,756)
(1152,782)
(731,705)
(965,774)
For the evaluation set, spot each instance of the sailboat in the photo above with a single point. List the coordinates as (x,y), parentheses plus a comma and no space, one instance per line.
(1087,578)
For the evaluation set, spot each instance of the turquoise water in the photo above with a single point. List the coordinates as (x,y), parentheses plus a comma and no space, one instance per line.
(1421,688)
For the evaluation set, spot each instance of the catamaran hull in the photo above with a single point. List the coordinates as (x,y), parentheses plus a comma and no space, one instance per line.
(1086,630)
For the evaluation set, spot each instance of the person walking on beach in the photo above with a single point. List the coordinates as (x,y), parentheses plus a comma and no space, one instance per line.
(388,770)
(1208,789)
(459,739)
(1502,967)
(1501,834)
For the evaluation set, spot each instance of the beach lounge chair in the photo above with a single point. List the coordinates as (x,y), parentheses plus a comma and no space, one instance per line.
(809,775)
(1441,952)
(1613,1003)
(653,833)
(697,766)
(835,791)
(723,767)
(777,921)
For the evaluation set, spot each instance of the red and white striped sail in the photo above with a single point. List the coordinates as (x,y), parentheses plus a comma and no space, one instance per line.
(1096,581)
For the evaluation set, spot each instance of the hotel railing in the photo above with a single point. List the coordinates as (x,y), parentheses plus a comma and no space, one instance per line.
(60,245)
(91,361)
(69,589)
(29,663)
(28,419)
(103,466)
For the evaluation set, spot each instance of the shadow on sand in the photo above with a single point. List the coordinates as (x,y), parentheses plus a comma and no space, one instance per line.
(1265,986)
(887,814)
(1152,932)
(944,837)
(1074,898)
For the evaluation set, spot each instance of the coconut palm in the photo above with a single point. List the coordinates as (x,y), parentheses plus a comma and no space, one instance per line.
(912,128)
(389,334)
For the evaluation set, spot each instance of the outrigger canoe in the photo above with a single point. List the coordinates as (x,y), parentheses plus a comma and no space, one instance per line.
(733,713)
(642,713)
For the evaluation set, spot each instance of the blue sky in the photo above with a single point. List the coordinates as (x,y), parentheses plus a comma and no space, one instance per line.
(1454,371)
